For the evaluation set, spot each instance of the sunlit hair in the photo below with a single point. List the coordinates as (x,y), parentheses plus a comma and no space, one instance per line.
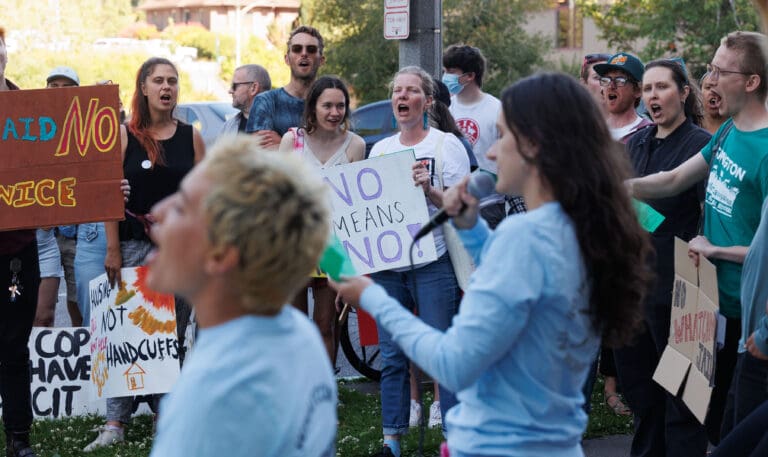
(751,46)
(309,118)
(585,171)
(258,74)
(274,211)
(693,108)
(468,59)
(309,30)
(427,84)
(141,120)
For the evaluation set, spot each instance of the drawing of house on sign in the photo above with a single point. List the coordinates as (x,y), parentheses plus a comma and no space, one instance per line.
(134,377)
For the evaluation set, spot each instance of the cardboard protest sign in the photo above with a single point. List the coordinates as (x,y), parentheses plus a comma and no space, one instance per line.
(60,160)
(134,348)
(688,360)
(377,211)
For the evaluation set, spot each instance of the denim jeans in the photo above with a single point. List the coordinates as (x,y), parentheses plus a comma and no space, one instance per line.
(89,263)
(748,438)
(437,295)
(15,326)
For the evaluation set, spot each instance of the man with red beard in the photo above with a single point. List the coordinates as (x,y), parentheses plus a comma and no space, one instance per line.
(620,78)
(277,110)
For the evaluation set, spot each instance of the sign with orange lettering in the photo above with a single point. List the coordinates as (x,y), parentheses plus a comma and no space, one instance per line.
(59,157)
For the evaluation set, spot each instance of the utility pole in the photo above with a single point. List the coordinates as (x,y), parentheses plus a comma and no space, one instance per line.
(424,45)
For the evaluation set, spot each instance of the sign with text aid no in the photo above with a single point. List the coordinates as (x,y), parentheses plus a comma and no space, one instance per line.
(60,160)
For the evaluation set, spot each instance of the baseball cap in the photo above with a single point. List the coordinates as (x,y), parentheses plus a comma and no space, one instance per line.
(63,72)
(622,61)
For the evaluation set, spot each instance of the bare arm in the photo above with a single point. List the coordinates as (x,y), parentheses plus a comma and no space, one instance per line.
(701,246)
(669,183)
(199,145)
(286,144)
(268,139)
(356,149)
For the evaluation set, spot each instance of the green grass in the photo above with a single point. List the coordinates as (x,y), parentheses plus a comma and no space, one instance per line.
(359,432)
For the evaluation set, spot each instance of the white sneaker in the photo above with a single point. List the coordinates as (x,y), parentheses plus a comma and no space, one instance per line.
(415,418)
(107,437)
(435,419)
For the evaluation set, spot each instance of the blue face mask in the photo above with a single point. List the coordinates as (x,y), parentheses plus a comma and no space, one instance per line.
(451,81)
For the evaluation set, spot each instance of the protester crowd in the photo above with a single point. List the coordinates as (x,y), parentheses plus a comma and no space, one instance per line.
(566,282)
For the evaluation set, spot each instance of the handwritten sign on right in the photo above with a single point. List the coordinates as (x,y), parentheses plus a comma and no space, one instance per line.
(688,360)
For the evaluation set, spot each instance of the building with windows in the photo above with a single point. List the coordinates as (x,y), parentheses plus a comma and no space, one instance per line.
(573,35)
(221,16)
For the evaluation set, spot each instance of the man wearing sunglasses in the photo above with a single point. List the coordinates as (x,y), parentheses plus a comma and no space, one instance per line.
(274,112)
(248,81)
(735,161)
(620,79)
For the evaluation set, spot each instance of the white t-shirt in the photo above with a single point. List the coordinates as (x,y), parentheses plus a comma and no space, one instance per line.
(455,165)
(619,133)
(478,124)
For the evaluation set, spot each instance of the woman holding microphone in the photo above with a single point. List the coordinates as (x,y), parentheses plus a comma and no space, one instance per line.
(549,283)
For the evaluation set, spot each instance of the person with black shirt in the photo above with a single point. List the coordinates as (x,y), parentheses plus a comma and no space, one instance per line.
(20,279)
(663,424)
(158,151)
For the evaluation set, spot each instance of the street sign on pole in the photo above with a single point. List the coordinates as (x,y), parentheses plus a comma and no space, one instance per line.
(396,19)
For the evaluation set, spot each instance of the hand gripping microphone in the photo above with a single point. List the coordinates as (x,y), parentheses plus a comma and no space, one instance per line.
(481,184)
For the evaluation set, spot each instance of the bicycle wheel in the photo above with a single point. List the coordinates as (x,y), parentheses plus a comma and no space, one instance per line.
(364,359)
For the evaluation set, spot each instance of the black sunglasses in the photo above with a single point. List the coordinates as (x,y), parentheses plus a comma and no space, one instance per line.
(297,48)
(234,84)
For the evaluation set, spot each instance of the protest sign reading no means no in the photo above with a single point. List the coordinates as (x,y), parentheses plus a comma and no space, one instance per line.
(377,210)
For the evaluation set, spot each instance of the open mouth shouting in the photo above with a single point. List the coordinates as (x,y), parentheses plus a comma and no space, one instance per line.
(713,102)
(655,110)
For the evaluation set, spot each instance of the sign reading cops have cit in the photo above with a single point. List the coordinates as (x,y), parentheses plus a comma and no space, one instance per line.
(59,157)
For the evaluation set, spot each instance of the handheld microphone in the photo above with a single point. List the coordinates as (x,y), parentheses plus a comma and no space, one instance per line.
(481,184)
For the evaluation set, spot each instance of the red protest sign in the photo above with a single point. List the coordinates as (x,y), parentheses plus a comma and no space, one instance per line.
(59,157)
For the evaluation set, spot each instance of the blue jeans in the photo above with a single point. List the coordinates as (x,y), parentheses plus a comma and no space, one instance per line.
(437,294)
(748,438)
(89,263)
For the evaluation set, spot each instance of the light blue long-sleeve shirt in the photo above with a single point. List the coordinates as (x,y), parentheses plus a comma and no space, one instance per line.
(519,350)
(754,288)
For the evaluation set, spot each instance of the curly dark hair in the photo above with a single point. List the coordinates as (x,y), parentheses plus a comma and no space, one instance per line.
(585,170)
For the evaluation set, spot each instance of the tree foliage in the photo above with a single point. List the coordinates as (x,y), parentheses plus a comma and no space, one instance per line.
(690,29)
(357,51)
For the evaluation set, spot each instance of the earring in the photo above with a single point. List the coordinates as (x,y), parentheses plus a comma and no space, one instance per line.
(426,122)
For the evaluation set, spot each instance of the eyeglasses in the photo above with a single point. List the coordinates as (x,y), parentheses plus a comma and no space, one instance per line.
(714,72)
(620,81)
(234,84)
(310,48)
(589,59)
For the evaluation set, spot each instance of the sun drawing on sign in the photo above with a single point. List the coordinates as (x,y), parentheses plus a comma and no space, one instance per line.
(148,318)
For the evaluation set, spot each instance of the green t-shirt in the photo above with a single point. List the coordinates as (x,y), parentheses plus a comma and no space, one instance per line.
(737,186)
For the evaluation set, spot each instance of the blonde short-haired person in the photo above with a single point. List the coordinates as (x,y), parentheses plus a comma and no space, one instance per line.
(238,240)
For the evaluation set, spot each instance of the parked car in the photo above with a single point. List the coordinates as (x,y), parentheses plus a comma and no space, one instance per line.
(373,122)
(207,117)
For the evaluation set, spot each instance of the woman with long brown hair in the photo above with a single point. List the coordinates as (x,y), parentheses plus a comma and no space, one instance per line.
(158,151)
(549,283)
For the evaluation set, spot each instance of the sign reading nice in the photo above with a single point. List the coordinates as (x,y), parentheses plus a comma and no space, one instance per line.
(59,157)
